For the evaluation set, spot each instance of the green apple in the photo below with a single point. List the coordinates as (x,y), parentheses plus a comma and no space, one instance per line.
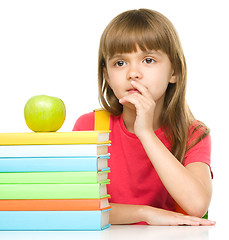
(44,113)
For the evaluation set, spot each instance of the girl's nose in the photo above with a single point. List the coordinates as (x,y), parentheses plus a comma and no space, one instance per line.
(134,74)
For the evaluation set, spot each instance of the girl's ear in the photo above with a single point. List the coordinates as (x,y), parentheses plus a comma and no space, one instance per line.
(173,78)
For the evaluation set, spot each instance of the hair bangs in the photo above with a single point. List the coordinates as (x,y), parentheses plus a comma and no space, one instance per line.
(135,30)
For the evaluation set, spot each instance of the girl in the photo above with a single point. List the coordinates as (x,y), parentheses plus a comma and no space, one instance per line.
(160,155)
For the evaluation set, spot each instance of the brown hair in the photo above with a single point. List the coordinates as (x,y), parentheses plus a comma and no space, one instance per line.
(150,30)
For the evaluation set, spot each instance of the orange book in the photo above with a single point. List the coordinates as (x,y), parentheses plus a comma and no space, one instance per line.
(54,204)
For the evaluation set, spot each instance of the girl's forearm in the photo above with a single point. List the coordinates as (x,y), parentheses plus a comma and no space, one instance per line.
(186,189)
(129,214)
(126,214)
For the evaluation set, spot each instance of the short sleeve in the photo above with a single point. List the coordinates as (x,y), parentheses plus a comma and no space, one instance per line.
(200,152)
(85,122)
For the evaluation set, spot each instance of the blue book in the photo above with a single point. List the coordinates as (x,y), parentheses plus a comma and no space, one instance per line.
(54,164)
(54,220)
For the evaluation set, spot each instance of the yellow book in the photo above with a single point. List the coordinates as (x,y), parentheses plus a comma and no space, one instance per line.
(50,138)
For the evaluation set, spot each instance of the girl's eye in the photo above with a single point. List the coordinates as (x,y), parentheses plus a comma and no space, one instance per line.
(148,60)
(120,63)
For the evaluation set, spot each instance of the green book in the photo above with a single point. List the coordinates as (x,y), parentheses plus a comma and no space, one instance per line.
(53,191)
(53,177)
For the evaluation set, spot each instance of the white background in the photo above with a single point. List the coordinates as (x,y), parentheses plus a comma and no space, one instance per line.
(50,47)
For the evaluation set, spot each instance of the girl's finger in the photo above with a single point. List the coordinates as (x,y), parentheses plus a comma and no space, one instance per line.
(141,88)
(194,221)
(137,96)
(135,99)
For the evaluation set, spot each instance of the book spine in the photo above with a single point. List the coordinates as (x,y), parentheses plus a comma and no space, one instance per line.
(53,177)
(54,205)
(50,191)
(86,150)
(51,220)
(76,137)
(51,164)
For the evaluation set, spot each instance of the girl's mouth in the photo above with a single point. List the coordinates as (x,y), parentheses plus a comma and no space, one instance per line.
(133,90)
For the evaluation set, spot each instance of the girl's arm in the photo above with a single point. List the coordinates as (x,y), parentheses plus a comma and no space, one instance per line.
(129,214)
(189,186)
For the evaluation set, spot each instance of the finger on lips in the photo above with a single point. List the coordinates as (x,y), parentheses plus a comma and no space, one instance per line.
(141,88)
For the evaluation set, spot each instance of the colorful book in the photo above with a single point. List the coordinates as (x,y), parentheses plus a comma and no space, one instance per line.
(75,137)
(53,191)
(72,150)
(54,181)
(54,220)
(55,164)
(53,177)
(55,204)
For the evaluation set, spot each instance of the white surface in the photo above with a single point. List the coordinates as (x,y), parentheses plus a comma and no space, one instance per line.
(119,232)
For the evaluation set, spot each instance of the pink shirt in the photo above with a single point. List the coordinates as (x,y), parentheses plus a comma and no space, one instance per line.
(133,179)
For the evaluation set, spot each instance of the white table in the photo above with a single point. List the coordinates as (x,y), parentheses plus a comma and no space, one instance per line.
(118,232)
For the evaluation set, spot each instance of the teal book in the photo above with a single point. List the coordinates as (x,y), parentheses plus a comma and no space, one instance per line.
(53,177)
(54,191)
(54,220)
(54,164)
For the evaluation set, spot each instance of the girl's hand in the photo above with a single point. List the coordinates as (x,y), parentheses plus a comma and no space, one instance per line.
(144,105)
(161,217)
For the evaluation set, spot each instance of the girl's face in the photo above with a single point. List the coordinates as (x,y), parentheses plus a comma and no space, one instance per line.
(152,69)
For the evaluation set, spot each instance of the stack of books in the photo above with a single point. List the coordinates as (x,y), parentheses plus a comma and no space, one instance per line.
(54,181)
